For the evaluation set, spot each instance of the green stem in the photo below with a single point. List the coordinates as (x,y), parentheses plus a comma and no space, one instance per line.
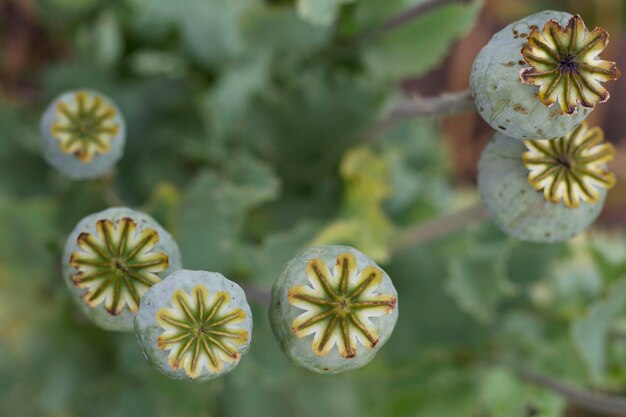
(595,402)
(441,105)
(437,228)
(419,234)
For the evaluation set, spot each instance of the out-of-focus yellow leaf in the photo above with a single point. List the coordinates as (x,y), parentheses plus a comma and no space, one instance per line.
(362,222)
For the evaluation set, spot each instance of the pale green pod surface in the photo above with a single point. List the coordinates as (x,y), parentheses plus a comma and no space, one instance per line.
(111,259)
(194,325)
(545,191)
(332,309)
(503,100)
(82,134)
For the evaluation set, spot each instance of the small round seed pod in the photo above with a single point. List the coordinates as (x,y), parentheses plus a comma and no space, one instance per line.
(83,134)
(194,325)
(540,77)
(111,259)
(332,309)
(546,191)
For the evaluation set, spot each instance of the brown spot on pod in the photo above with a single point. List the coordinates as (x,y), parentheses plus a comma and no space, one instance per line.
(520,108)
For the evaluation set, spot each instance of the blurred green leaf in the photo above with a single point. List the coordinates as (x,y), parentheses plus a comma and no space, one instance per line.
(209,30)
(21,164)
(304,126)
(418,46)
(607,251)
(503,394)
(436,321)
(362,223)
(213,210)
(419,166)
(228,102)
(108,41)
(30,224)
(591,332)
(295,41)
(478,278)
(320,12)
(569,285)
(268,259)
(443,390)
(151,62)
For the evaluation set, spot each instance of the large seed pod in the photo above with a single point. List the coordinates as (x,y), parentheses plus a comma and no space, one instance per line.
(111,258)
(194,325)
(545,191)
(540,77)
(83,134)
(332,309)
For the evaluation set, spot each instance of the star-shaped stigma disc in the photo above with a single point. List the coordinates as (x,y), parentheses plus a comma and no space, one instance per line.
(564,63)
(85,125)
(339,304)
(117,264)
(572,168)
(201,331)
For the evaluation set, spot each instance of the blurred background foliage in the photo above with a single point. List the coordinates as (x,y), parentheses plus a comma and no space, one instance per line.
(246,139)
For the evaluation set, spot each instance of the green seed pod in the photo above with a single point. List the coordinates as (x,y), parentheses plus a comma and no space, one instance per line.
(532,64)
(111,258)
(194,325)
(83,134)
(546,191)
(332,309)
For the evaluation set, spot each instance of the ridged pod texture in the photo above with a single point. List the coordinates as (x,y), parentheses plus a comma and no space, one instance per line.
(517,207)
(111,258)
(332,309)
(503,100)
(83,134)
(194,325)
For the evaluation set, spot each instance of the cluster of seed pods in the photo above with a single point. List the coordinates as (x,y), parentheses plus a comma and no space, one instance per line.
(333,308)
(543,178)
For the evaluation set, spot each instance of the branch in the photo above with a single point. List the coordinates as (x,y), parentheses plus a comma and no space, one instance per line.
(437,228)
(609,405)
(405,16)
(420,233)
(441,105)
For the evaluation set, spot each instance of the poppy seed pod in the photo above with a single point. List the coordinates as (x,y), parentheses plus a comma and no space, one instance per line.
(540,77)
(332,309)
(83,134)
(111,258)
(546,191)
(194,325)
